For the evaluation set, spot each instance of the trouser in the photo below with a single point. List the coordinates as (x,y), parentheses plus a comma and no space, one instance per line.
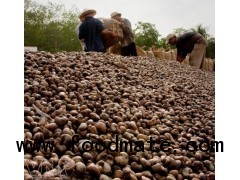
(129,50)
(197,56)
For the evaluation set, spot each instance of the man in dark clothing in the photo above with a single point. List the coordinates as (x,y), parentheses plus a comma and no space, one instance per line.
(128,42)
(190,42)
(91,31)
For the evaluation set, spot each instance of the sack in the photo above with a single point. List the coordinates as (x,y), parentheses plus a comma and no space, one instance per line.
(141,52)
(205,64)
(114,26)
(150,54)
(115,49)
(173,56)
(210,65)
(168,55)
(159,53)
(186,60)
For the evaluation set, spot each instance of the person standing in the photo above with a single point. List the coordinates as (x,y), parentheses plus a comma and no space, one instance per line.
(91,31)
(190,42)
(128,41)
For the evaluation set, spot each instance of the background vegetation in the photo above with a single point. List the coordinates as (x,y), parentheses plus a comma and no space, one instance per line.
(53,28)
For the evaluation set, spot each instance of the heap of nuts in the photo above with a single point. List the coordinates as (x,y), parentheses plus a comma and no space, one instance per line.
(104,116)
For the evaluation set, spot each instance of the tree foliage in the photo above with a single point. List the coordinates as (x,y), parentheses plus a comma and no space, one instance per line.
(201,30)
(146,35)
(179,31)
(210,50)
(50,27)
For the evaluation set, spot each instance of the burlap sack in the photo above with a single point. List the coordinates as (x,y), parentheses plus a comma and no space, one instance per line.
(175,52)
(210,65)
(150,54)
(173,56)
(114,26)
(115,49)
(159,53)
(168,55)
(205,64)
(141,52)
(186,60)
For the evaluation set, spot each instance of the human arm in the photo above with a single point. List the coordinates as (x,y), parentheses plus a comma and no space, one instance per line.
(181,52)
(180,59)
(104,31)
(181,55)
(110,33)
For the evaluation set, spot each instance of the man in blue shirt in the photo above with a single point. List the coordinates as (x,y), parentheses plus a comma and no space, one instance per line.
(91,31)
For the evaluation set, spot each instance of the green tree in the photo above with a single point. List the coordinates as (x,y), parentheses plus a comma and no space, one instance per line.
(201,30)
(146,35)
(50,27)
(69,39)
(210,50)
(179,31)
(162,44)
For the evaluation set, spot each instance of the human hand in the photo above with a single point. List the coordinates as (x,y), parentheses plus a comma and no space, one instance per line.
(180,59)
(116,35)
(121,25)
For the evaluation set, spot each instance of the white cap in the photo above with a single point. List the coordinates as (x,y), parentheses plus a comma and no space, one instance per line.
(115,14)
(170,36)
